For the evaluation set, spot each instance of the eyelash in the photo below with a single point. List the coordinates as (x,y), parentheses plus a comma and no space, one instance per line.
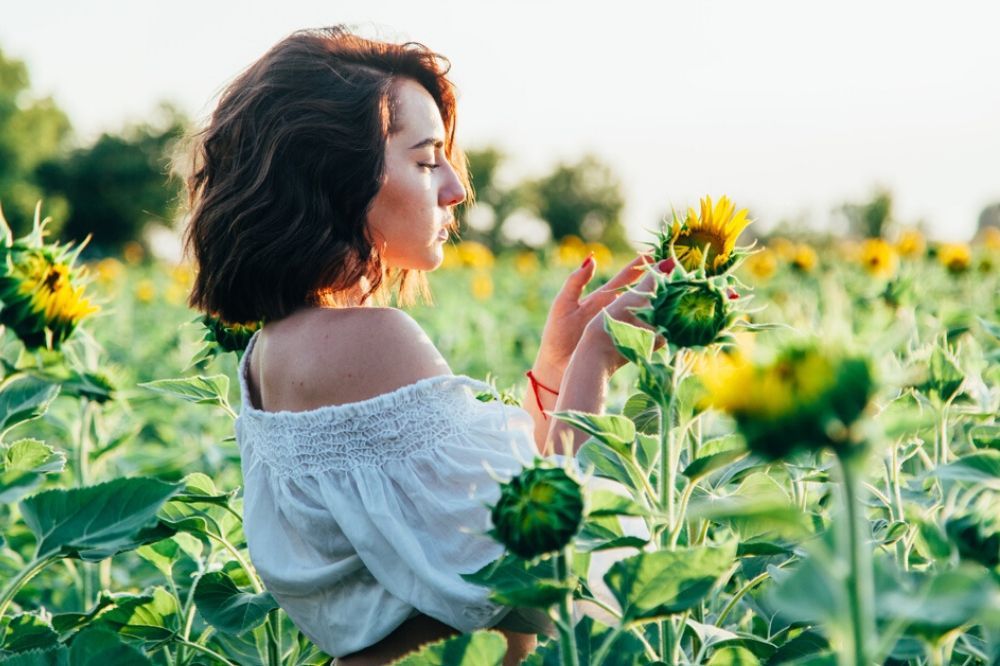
(429,166)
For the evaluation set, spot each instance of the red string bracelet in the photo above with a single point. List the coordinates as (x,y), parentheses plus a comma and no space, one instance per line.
(535,385)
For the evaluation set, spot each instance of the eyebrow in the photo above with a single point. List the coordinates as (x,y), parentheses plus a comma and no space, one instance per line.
(430,141)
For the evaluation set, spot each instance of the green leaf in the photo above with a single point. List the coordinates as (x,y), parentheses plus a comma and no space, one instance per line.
(644,412)
(608,503)
(595,536)
(96,522)
(615,430)
(24,398)
(982,467)
(27,631)
(652,585)
(56,656)
(543,594)
(481,648)
(23,465)
(990,327)
(733,656)
(65,623)
(632,342)
(228,608)
(808,593)
(151,617)
(719,638)
(986,436)
(610,464)
(100,647)
(707,464)
(201,390)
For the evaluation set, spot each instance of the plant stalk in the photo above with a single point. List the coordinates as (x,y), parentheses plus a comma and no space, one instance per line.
(860,594)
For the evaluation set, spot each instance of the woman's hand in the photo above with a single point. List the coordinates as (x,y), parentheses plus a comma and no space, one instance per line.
(597,339)
(569,315)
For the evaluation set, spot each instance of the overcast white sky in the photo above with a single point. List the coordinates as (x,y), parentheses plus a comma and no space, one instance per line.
(790,107)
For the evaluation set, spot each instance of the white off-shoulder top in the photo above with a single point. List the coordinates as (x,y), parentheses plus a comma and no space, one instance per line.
(362,515)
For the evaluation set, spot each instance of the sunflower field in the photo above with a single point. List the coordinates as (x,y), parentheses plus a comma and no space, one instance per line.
(807,472)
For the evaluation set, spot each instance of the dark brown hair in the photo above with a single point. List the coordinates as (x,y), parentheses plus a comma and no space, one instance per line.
(281,179)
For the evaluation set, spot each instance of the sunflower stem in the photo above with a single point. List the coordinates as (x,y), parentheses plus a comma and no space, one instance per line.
(860,594)
(568,655)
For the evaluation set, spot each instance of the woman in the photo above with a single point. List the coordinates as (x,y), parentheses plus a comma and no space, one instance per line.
(328,176)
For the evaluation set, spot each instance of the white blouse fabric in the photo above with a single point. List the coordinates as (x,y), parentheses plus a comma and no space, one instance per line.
(362,515)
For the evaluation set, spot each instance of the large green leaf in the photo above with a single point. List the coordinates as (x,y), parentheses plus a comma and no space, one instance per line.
(610,464)
(24,398)
(228,608)
(607,503)
(653,585)
(96,522)
(615,430)
(152,617)
(201,390)
(481,648)
(27,631)
(99,647)
(705,465)
(644,412)
(632,342)
(23,465)
(54,656)
(543,594)
(982,467)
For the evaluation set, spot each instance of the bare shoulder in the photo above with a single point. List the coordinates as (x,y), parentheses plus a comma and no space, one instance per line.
(335,356)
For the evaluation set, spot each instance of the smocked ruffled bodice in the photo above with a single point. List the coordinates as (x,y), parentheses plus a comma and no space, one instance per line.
(360,516)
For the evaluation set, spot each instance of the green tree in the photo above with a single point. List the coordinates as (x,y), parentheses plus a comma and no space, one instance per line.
(32,130)
(492,199)
(120,183)
(584,199)
(870,219)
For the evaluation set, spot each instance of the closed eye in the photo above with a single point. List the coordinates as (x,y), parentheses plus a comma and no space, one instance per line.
(429,166)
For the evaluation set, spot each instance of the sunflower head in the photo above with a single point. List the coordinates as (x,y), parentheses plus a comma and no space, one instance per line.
(707,238)
(878,258)
(911,244)
(688,313)
(538,512)
(804,258)
(955,257)
(42,293)
(805,398)
(229,337)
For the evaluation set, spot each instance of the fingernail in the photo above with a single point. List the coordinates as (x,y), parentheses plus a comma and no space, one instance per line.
(666,265)
(732,294)
(589,259)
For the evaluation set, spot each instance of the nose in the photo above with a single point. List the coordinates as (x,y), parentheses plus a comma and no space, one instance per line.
(452,192)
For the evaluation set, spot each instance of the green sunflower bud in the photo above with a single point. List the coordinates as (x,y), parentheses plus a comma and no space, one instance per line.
(688,313)
(229,337)
(538,512)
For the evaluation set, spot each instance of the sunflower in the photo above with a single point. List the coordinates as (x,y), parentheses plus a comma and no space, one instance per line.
(878,258)
(804,259)
(708,238)
(538,512)
(806,397)
(956,257)
(911,244)
(688,313)
(43,298)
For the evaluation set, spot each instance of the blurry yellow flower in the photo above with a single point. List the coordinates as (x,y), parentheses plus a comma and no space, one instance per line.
(526,262)
(175,294)
(956,257)
(763,264)
(182,274)
(145,291)
(850,251)
(108,270)
(990,237)
(482,286)
(709,237)
(911,244)
(452,257)
(571,251)
(133,252)
(804,259)
(878,258)
(602,255)
(475,255)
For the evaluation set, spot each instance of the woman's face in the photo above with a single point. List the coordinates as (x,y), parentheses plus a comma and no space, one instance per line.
(412,212)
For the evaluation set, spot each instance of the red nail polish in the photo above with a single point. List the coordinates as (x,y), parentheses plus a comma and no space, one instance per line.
(732,294)
(589,259)
(667,265)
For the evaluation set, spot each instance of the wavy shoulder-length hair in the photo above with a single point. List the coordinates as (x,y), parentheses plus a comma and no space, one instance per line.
(281,179)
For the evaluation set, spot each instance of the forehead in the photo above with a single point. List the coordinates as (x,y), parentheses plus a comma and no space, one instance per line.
(415,111)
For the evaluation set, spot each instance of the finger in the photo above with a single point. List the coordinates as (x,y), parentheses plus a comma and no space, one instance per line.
(577,280)
(629,274)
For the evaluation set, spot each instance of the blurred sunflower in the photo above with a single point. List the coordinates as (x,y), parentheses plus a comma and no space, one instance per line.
(708,237)
(482,285)
(911,244)
(878,258)
(539,511)
(762,265)
(804,259)
(145,290)
(526,262)
(602,255)
(955,257)
(990,237)
(475,255)
(806,397)
(571,251)
(42,294)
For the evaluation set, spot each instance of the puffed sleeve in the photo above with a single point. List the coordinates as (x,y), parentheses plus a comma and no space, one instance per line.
(357,523)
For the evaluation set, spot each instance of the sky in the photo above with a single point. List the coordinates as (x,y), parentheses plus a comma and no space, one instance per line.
(789,107)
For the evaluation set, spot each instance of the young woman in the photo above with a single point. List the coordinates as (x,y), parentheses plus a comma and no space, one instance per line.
(325,180)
